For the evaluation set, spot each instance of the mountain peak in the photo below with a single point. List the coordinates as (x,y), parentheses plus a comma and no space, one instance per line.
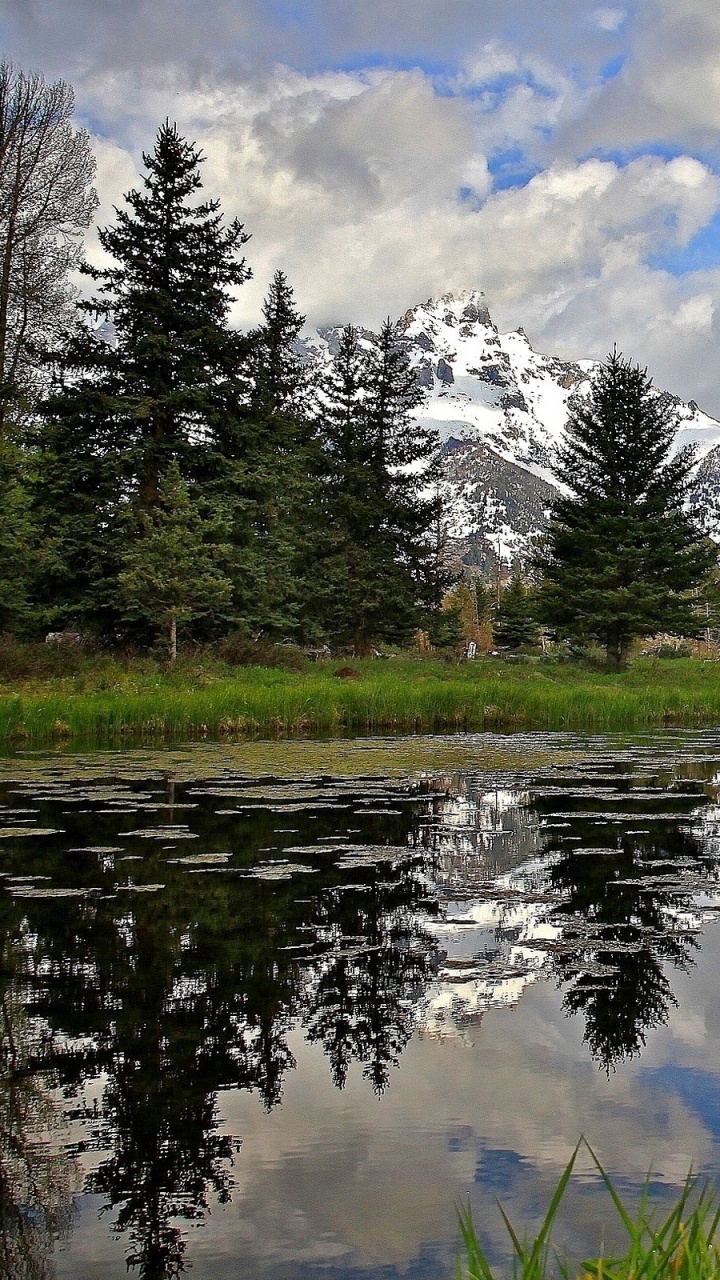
(451,310)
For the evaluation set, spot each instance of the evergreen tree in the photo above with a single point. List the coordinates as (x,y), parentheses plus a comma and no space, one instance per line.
(621,555)
(274,481)
(280,374)
(445,629)
(19,552)
(172,574)
(378,575)
(514,624)
(168,384)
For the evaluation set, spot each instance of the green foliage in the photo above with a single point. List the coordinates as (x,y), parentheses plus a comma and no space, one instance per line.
(270,489)
(514,624)
(166,388)
(682,1245)
(172,574)
(621,556)
(20,556)
(445,630)
(377,575)
(99,698)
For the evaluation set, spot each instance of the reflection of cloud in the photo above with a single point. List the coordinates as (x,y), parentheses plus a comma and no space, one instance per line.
(375,1183)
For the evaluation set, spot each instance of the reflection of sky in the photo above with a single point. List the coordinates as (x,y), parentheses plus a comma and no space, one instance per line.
(490,1098)
(348,1184)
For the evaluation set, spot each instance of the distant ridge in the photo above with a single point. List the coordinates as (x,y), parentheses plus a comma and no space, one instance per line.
(500,409)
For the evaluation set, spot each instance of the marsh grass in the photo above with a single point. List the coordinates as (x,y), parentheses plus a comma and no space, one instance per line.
(681,1245)
(113,701)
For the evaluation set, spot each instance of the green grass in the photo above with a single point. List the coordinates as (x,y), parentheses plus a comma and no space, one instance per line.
(681,1245)
(105,700)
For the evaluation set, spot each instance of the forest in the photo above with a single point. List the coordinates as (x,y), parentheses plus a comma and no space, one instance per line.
(166,478)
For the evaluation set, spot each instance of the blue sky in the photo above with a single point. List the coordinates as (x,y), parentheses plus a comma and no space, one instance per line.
(562,156)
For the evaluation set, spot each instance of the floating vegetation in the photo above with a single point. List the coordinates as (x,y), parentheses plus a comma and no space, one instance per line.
(21,891)
(279,871)
(160,833)
(14,833)
(140,888)
(201,859)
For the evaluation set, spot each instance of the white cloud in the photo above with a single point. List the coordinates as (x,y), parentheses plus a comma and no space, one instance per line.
(349,182)
(609,19)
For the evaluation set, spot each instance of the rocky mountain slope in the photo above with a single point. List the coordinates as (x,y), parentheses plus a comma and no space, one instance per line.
(500,409)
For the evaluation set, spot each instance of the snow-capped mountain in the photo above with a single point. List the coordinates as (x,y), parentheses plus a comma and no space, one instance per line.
(500,410)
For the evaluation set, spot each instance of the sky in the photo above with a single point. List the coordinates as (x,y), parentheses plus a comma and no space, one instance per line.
(561,155)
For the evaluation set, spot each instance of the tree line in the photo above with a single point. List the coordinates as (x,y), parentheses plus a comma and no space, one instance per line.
(160,470)
(175,472)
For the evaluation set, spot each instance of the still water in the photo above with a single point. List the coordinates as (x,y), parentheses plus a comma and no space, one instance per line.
(276,1010)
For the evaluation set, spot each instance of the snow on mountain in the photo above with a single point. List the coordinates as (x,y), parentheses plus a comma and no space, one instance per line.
(500,409)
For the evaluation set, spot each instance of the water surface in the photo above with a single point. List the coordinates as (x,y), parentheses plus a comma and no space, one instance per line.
(275,1010)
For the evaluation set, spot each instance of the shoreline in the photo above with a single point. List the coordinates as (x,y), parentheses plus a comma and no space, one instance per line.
(405,695)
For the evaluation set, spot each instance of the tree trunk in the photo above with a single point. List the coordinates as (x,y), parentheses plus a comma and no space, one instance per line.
(172,641)
(617,650)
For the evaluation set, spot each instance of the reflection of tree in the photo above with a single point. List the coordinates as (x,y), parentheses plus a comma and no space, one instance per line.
(184,1001)
(359,1001)
(620,932)
(169,997)
(35,1176)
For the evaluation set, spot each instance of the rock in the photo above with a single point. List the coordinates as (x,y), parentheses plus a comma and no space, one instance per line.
(444,372)
(424,375)
(476,315)
(513,400)
(67,638)
(490,373)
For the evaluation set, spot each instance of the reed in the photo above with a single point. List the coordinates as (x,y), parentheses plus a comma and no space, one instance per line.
(405,694)
(681,1245)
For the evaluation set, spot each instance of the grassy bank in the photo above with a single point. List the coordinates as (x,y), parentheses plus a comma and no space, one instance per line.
(679,1244)
(106,700)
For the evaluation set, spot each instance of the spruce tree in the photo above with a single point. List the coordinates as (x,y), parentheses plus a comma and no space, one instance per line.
(377,575)
(274,481)
(169,383)
(174,572)
(514,624)
(20,554)
(621,556)
(280,375)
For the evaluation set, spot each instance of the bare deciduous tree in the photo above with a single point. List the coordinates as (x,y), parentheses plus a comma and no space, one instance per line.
(46,202)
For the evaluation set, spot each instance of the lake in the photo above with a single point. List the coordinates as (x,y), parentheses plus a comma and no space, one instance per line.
(276,1010)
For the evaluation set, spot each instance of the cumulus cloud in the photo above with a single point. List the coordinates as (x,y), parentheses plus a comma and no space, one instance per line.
(609,19)
(372,190)
(668,91)
(375,186)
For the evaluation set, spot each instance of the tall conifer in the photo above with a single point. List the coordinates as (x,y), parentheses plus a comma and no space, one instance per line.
(622,555)
(377,570)
(167,384)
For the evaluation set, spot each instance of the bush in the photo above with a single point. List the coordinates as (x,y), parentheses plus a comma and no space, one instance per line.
(25,660)
(240,650)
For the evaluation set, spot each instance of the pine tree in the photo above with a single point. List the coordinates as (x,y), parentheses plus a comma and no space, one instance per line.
(280,374)
(514,624)
(621,556)
(172,574)
(377,577)
(19,553)
(445,629)
(169,384)
(273,483)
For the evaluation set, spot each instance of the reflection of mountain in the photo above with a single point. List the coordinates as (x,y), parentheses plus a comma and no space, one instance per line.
(177,966)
